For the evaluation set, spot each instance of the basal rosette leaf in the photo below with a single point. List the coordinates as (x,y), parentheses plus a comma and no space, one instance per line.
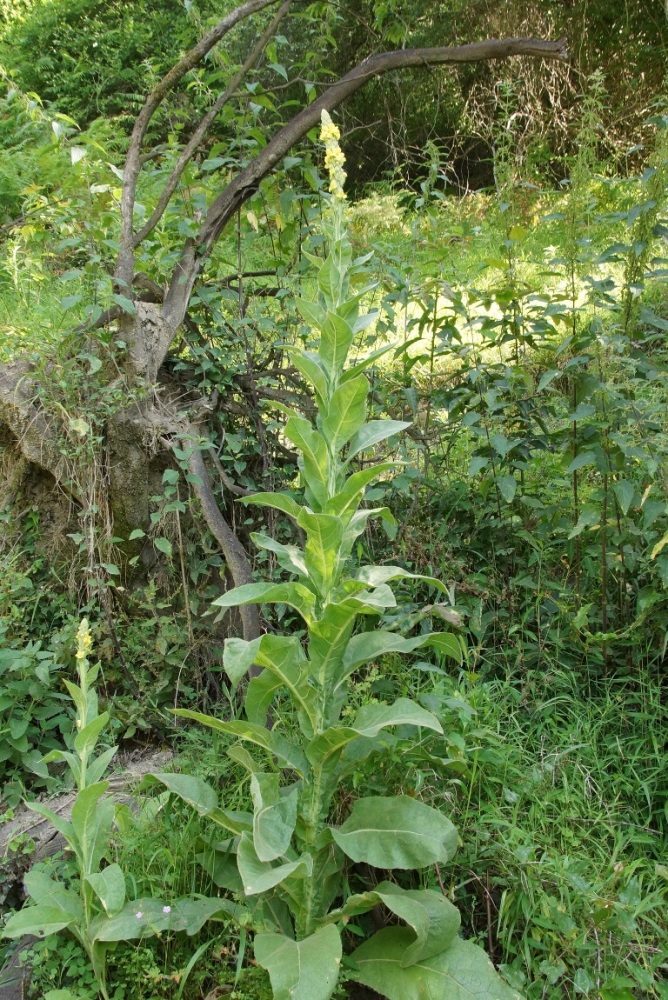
(461,972)
(396,832)
(431,916)
(301,970)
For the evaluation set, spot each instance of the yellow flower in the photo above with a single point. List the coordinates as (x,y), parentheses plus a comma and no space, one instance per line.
(84,640)
(334,158)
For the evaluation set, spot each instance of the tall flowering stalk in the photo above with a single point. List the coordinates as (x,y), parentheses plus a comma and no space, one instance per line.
(292,859)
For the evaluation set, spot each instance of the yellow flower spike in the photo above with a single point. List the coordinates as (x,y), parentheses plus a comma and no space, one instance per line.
(334,158)
(84,640)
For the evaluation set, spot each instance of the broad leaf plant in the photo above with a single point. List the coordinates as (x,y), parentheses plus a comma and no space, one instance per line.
(92,906)
(288,858)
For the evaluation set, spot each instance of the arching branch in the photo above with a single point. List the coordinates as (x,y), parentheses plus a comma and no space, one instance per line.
(125,264)
(246,182)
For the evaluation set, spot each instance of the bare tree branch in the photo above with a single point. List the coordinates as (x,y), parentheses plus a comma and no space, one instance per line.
(125,264)
(190,148)
(231,547)
(246,182)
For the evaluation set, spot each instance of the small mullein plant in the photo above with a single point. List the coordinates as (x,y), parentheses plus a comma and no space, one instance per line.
(92,905)
(288,858)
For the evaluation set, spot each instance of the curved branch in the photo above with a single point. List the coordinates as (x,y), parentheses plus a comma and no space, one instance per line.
(190,148)
(232,549)
(247,180)
(125,265)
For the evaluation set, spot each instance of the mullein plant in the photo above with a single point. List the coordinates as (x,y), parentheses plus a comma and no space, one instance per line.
(288,858)
(92,904)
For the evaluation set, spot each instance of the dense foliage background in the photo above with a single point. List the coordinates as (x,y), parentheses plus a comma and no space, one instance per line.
(515,217)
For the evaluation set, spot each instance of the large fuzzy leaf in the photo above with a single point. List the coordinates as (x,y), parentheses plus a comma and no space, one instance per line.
(368,646)
(372,576)
(433,918)
(289,557)
(350,495)
(250,732)
(370,720)
(396,832)
(279,501)
(345,413)
(274,817)
(314,457)
(40,920)
(92,818)
(147,917)
(323,544)
(294,594)
(260,876)
(47,892)
(336,336)
(301,970)
(373,433)
(109,887)
(461,972)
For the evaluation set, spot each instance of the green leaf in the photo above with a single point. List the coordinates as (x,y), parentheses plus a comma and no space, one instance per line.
(289,557)
(109,887)
(85,741)
(353,489)
(432,917)
(461,972)
(92,817)
(372,576)
(396,832)
(45,891)
(361,366)
(63,826)
(373,433)
(97,768)
(294,594)
(336,337)
(274,818)
(584,458)
(260,694)
(371,719)
(313,458)
(272,742)
(163,545)
(368,646)
(279,501)
(195,791)
(259,876)
(312,313)
(624,491)
(38,920)
(346,413)
(310,366)
(146,917)
(507,487)
(126,304)
(324,534)
(301,970)
(239,656)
